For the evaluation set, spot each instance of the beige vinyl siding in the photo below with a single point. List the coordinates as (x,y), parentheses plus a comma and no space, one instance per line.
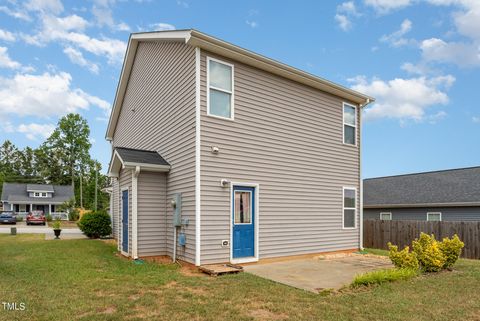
(152,219)
(115,209)
(125,182)
(288,138)
(158,113)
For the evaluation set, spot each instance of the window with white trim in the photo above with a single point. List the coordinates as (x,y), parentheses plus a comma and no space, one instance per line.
(386,216)
(349,207)
(434,216)
(219,88)
(349,124)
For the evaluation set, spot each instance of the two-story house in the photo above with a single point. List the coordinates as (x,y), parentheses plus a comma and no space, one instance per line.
(258,158)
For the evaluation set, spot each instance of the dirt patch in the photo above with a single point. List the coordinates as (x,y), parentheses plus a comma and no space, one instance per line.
(171,284)
(262,314)
(189,270)
(109,310)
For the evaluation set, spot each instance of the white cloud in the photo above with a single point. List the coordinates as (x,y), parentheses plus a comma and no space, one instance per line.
(460,53)
(76,57)
(35,131)
(251,23)
(417,69)
(47,6)
(476,119)
(17,14)
(343,22)
(183,4)
(102,11)
(404,99)
(6,35)
(348,8)
(396,39)
(161,26)
(44,96)
(69,30)
(346,11)
(6,61)
(386,6)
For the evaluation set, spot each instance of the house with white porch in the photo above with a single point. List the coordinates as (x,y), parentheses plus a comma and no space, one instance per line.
(24,198)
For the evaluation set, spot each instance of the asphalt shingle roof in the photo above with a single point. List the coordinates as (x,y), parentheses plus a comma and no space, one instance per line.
(440,187)
(140,156)
(16,192)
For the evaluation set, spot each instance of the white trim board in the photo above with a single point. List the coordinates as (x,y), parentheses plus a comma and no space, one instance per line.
(198,151)
(255,258)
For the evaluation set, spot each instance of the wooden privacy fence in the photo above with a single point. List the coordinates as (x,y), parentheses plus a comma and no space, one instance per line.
(377,233)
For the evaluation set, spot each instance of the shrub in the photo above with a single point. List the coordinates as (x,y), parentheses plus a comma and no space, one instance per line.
(382,276)
(403,259)
(74,214)
(429,255)
(95,224)
(19,218)
(48,217)
(451,249)
(57,225)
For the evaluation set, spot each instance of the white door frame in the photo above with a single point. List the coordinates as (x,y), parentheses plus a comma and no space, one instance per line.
(256,222)
(121,220)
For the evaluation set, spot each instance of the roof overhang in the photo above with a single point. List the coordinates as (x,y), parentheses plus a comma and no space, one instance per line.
(117,163)
(196,38)
(459,204)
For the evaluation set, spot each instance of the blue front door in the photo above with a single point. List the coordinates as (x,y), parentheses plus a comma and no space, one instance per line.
(243,221)
(125,221)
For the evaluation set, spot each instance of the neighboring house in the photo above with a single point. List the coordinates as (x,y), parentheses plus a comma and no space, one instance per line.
(448,195)
(24,198)
(261,159)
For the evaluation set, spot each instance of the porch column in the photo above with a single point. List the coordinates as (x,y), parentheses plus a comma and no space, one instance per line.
(50,209)
(31,207)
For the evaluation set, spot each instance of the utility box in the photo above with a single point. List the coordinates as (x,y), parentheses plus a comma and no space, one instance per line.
(177,209)
(182,240)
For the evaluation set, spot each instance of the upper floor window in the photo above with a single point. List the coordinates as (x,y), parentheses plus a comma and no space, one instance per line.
(40,194)
(349,124)
(219,88)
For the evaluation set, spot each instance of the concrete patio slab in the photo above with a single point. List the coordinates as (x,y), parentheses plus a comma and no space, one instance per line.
(319,273)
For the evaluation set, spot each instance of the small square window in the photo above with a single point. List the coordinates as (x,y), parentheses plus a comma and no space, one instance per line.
(386,216)
(434,216)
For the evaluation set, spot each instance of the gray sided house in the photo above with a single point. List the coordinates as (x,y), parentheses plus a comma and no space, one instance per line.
(223,155)
(448,195)
(24,198)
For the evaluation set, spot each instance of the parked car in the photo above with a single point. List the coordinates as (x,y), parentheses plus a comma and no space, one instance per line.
(36,217)
(8,217)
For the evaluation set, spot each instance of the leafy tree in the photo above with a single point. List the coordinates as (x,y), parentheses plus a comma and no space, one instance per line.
(70,145)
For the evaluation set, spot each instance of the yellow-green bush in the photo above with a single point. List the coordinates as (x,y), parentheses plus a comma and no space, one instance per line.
(403,259)
(429,255)
(451,249)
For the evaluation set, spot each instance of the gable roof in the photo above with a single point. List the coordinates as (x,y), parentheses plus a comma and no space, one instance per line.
(130,158)
(453,187)
(18,193)
(198,39)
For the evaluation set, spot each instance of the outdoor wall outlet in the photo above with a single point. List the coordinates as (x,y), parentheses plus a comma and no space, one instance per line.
(225,243)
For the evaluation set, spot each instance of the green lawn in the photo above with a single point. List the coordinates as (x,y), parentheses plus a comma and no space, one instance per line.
(85,280)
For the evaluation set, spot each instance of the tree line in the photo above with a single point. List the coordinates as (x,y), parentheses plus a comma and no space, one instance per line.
(63,158)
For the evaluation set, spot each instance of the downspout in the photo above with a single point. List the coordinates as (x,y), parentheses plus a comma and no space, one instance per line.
(134,212)
(360,171)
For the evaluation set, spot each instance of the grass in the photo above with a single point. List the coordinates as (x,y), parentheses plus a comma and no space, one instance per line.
(377,252)
(86,280)
(382,276)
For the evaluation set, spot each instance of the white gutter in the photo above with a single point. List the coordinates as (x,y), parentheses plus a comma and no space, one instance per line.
(360,171)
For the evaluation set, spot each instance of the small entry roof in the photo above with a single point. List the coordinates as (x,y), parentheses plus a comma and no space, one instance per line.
(131,158)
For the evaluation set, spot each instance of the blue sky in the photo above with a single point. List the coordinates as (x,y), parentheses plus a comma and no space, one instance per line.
(419,58)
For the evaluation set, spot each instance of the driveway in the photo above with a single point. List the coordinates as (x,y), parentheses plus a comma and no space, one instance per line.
(22,228)
(319,273)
